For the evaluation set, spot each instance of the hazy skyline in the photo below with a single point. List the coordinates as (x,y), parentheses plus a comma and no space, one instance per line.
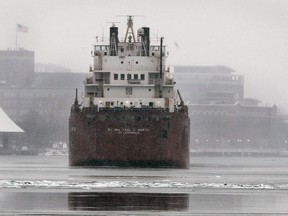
(250,36)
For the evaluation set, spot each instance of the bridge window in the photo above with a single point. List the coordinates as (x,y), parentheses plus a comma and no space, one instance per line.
(122,76)
(142,76)
(128,76)
(115,76)
(136,76)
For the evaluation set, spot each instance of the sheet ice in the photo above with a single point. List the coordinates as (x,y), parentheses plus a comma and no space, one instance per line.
(134,184)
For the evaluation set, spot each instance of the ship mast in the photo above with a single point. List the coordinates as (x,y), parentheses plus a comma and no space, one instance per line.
(129,26)
(76,104)
(161,68)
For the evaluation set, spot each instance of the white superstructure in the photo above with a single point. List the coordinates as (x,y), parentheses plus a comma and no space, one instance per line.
(129,73)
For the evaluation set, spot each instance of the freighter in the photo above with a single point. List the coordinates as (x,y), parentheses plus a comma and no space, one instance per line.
(130,115)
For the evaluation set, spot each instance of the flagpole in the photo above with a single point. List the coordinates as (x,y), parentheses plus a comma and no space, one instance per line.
(16,36)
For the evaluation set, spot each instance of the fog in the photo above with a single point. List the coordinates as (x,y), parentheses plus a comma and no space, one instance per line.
(250,36)
(238,154)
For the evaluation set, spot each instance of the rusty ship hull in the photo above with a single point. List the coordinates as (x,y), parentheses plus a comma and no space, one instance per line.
(134,138)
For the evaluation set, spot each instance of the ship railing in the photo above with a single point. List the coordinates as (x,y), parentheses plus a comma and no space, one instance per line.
(134,81)
(124,109)
(169,82)
(103,80)
(134,109)
(88,80)
(154,81)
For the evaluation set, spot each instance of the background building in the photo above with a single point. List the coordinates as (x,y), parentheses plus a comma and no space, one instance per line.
(209,84)
(222,119)
(16,68)
(39,102)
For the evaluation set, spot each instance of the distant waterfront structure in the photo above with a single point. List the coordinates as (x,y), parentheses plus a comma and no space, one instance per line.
(221,117)
(210,84)
(50,68)
(39,102)
(16,68)
(7,129)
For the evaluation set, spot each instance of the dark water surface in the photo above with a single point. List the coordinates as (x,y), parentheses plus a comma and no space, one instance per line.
(214,185)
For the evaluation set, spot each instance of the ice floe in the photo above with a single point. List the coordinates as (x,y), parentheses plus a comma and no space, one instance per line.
(45,184)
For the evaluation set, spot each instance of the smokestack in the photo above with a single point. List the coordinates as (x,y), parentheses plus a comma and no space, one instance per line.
(146,39)
(113,40)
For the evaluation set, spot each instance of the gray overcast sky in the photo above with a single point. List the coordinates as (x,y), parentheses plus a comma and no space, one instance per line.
(250,36)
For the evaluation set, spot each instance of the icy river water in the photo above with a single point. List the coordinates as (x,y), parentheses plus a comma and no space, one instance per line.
(213,185)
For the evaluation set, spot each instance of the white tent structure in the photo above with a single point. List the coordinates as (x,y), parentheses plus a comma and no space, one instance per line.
(7,125)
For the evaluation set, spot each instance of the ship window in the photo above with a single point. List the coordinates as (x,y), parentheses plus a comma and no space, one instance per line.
(122,62)
(136,76)
(142,76)
(115,76)
(136,62)
(108,89)
(128,76)
(122,76)
(149,89)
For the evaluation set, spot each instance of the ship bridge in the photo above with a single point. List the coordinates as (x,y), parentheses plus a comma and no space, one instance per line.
(130,72)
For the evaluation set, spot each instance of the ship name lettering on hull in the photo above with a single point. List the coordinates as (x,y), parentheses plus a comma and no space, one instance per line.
(128,130)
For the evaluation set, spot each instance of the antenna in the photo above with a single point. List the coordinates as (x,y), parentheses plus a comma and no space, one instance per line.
(113,23)
(161,67)
(130,16)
